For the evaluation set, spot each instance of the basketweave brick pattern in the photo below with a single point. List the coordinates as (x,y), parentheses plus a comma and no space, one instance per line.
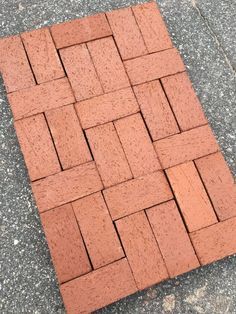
(128,178)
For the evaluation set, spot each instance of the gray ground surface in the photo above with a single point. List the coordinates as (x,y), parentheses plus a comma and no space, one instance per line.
(204,32)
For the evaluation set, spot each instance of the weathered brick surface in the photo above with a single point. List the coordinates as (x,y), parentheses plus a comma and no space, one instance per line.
(106,108)
(124,168)
(42,55)
(14,65)
(191,196)
(141,249)
(37,147)
(65,243)
(27,102)
(80,30)
(137,194)
(219,183)
(97,229)
(68,136)
(172,238)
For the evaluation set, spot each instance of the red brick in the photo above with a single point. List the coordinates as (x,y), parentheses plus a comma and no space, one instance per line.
(152,27)
(219,183)
(215,242)
(184,101)
(37,147)
(191,196)
(141,250)
(137,194)
(156,110)
(68,136)
(137,145)
(106,108)
(108,64)
(154,66)
(186,146)
(99,288)
(81,72)
(27,102)
(127,34)
(42,55)
(98,231)
(65,243)
(80,30)
(66,186)
(14,65)
(108,154)
(172,238)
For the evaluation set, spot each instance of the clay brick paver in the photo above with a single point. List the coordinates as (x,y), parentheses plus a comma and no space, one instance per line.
(126,173)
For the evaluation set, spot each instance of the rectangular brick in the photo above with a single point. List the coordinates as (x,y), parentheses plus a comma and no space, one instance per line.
(215,242)
(68,136)
(37,147)
(106,108)
(42,55)
(99,288)
(219,183)
(184,101)
(65,243)
(137,145)
(66,186)
(172,238)
(80,30)
(141,249)
(14,65)
(152,27)
(156,110)
(137,194)
(97,229)
(30,101)
(154,66)
(81,72)
(186,146)
(108,64)
(108,154)
(191,196)
(127,34)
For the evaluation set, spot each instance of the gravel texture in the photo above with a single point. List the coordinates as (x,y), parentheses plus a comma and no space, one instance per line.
(204,32)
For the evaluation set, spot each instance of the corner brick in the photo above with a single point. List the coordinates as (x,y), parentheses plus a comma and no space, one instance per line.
(219,183)
(81,72)
(37,147)
(186,146)
(215,242)
(14,65)
(184,101)
(65,243)
(141,250)
(137,145)
(156,110)
(37,99)
(66,186)
(137,194)
(108,64)
(127,34)
(80,30)
(68,136)
(154,66)
(106,108)
(172,238)
(108,154)
(42,55)
(99,288)
(98,231)
(152,27)
(191,196)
